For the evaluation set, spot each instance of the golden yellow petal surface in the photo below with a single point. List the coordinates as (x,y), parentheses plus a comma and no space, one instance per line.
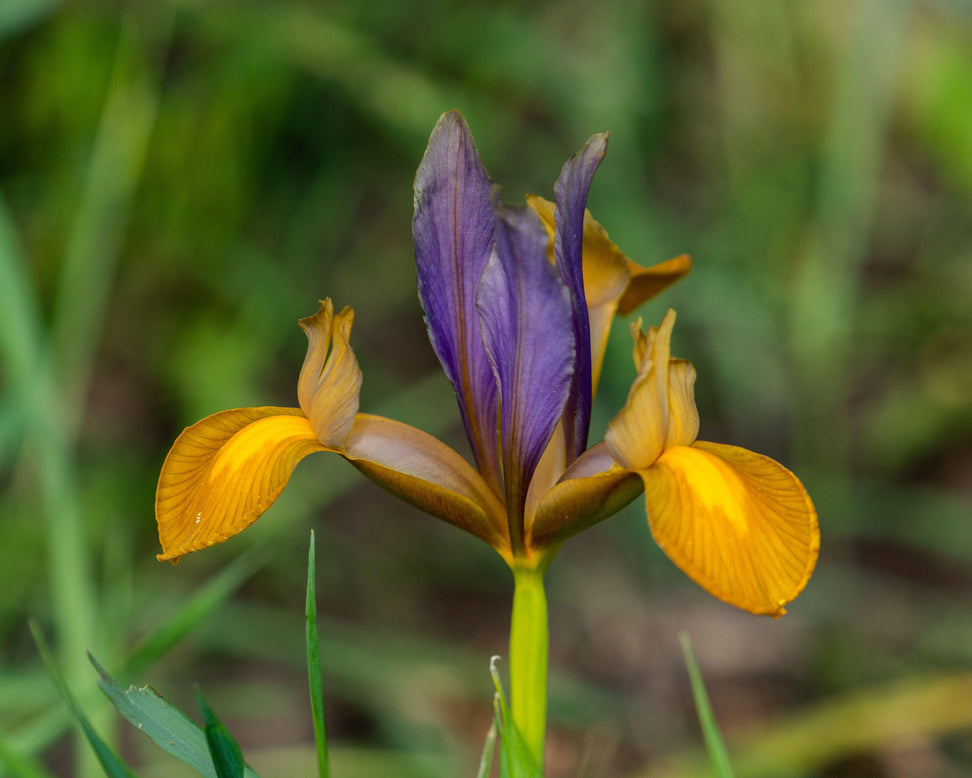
(330,379)
(647,282)
(660,412)
(737,523)
(426,473)
(223,472)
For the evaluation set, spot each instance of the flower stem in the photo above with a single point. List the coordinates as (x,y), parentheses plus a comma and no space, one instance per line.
(528,658)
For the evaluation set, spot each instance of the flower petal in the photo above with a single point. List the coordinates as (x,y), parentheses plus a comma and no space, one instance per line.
(612,282)
(330,379)
(648,282)
(426,473)
(660,411)
(571,191)
(224,471)
(453,231)
(737,523)
(594,488)
(525,319)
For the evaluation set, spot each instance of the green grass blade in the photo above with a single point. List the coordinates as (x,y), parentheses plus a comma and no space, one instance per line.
(486,761)
(223,748)
(710,729)
(169,727)
(516,761)
(110,761)
(314,679)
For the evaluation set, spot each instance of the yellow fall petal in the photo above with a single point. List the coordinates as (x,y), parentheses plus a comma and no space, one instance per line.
(737,523)
(426,473)
(223,472)
(330,379)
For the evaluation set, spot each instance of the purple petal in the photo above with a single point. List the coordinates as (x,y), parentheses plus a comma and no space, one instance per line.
(571,196)
(525,317)
(453,230)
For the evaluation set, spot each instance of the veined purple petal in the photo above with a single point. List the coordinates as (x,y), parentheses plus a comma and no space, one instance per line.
(453,230)
(571,195)
(525,317)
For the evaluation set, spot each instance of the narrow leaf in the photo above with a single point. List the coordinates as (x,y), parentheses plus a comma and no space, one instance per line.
(710,729)
(486,761)
(223,748)
(314,681)
(516,761)
(170,728)
(113,765)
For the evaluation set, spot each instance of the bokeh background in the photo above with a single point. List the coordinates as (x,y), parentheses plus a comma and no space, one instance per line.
(181,181)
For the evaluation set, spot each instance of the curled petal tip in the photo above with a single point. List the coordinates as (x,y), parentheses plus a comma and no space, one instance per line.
(330,380)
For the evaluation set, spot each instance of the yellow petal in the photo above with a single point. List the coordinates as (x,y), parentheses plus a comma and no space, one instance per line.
(594,488)
(737,523)
(426,473)
(224,471)
(612,282)
(330,380)
(683,416)
(647,282)
(660,411)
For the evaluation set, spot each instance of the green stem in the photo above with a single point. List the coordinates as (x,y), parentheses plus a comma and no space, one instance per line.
(528,658)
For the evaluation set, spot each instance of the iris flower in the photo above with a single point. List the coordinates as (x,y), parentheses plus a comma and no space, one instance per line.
(518,302)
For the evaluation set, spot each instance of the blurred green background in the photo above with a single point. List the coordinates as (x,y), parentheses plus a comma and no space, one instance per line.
(181,181)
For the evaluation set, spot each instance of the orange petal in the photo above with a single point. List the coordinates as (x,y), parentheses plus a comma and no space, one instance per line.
(647,282)
(612,282)
(737,523)
(330,380)
(224,471)
(426,473)
(660,411)
(594,488)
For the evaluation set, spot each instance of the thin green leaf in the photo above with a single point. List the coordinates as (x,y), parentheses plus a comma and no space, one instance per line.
(113,765)
(314,680)
(516,761)
(710,729)
(486,761)
(170,728)
(225,751)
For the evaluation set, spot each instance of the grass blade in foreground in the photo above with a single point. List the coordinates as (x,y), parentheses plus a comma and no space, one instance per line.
(225,751)
(713,738)
(486,761)
(314,680)
(110,761)
(170,728)
(516,761)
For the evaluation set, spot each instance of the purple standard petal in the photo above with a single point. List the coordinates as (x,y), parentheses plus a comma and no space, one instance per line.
(525,317)
(571,195)
(453,230)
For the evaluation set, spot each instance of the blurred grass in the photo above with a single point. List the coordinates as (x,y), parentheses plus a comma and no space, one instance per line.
(179,182)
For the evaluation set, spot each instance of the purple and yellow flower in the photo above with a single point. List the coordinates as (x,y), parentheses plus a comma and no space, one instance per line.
(519,303)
